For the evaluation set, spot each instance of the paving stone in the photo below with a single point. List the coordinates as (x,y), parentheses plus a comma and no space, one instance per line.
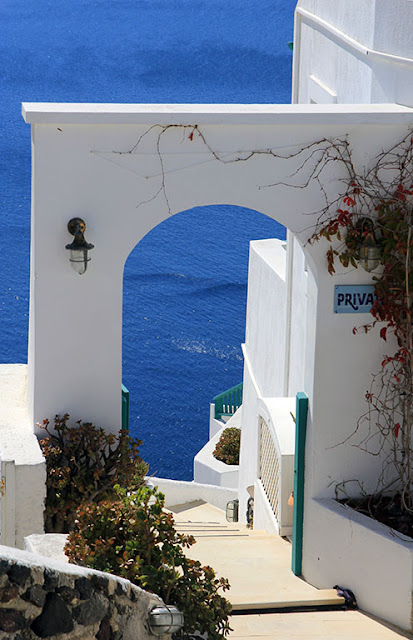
(51,579)
(102,582)
(11,620)
(8,592)
(91,611)
(36,595)
(19,574)
(85,588)
(105,631)
(69,594)
(55,618)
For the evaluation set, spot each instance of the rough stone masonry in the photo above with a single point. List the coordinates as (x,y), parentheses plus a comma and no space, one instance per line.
(44,598)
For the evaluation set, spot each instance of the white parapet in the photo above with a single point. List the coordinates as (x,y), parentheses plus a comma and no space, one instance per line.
(180,492)
(23,468)
(275,482)
(350,549)
(209,470)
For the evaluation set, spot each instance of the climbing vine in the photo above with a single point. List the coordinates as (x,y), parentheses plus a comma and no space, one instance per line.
(374,217)
(368,220)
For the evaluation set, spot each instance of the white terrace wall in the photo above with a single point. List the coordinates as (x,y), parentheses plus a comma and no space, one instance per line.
(87,162)
(352,52)
(125,169)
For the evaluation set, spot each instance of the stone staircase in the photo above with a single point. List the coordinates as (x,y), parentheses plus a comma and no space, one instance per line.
(257,565)
(268,601)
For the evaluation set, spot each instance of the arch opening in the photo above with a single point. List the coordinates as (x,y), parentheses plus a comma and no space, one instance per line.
(184,299)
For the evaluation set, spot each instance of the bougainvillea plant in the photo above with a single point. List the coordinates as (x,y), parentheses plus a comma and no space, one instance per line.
(383,195)
(134,537)
(83,464)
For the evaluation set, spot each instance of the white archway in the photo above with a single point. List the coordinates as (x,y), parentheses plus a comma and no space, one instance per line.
(124,169)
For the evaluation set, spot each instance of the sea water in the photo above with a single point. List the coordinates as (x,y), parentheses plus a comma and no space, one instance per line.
(185,282)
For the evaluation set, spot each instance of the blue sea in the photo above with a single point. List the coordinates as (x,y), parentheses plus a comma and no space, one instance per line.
(184,312)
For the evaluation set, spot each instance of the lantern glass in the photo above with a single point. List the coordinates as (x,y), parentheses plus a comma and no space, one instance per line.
(78,260)
(232,511)
(165,619)
(369,257)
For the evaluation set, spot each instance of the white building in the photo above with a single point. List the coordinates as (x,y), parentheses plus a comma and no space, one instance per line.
(138,164)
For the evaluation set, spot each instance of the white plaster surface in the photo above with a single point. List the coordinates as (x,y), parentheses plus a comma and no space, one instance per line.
(265,332)
(179,492)
(361,51)
(50,545)
(230,114)
(85,167)
(22,465)
(209,470)
(352,550)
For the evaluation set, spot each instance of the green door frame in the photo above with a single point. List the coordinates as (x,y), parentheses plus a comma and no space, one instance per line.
(299,460)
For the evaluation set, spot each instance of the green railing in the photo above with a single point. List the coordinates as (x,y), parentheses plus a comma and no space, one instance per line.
(227,402)
(125,408)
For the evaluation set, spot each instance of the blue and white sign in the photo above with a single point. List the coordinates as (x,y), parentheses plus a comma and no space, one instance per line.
(353,298)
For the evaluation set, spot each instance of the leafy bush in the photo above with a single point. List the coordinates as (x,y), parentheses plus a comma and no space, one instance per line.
(134,537)
(83,465)
(227,448)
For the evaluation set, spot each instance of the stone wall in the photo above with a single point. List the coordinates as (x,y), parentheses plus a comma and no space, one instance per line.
(43,598)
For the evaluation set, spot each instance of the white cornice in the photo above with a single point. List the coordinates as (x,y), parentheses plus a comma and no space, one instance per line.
(215,114)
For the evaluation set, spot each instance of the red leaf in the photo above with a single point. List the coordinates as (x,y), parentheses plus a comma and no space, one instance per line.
(191,136)
(354,331)
(383,332)
(396,430)
(349,201)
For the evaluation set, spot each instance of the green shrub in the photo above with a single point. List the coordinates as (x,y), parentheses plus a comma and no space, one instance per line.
(134,537)
(83,465)
(227,448)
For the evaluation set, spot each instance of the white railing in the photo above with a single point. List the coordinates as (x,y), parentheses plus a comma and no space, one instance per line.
(276,467)
(270,467)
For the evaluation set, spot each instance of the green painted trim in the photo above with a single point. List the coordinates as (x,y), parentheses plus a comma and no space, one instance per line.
(299,459)
(230,398)
(125,408)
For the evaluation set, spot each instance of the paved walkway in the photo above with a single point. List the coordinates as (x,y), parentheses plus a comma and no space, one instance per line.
(258,568)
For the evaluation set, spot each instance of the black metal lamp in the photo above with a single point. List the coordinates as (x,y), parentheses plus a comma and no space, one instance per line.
(165,619)
(79,247)
(369,252)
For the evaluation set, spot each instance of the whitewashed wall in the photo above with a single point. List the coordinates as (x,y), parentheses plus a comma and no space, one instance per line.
(265,332)
(83,165)
(360,51)
(349,52)
(300,319)
(86,163)
(264,349)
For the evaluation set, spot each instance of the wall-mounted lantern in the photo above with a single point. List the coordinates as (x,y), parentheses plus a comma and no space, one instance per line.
(165,619)
(232,511)
(369,252)
(79,247)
